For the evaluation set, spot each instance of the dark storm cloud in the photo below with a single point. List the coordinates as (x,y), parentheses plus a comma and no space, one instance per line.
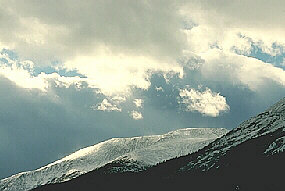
(65,28)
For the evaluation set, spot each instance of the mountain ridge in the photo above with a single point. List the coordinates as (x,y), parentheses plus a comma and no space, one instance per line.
(145,151)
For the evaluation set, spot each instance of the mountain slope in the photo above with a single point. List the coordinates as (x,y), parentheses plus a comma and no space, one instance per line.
(263,124)
(250,157)
(137,154)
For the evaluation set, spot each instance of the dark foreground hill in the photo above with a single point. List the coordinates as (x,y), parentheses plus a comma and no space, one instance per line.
(248,158)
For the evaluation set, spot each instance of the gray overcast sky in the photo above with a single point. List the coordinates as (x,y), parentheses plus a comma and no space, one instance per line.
(74,74)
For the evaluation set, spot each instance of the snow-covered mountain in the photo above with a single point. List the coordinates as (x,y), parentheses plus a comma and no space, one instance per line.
(144,151)
(249,157)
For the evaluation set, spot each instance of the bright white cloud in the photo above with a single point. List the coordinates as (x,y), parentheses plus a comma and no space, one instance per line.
(23,78)
(260,19)
(208,103)
(138,103)
(136,115)
(20,72)
(117,74)
(105,105)
(225,66)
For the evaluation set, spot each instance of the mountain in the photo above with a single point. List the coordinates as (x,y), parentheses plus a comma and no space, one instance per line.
(248,158)
(136,153)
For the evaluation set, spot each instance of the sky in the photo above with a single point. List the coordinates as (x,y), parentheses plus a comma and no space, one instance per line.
(74,73)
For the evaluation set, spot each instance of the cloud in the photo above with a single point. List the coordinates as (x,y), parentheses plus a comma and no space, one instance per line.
(118,45)
(138,103)
(21,73)
(208,103)
(105,105)
(259,19)
(115,44)
(70,28)
(225,35)
(239,69)
(118,99)
(23,78)
(136,115)
(117,74)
